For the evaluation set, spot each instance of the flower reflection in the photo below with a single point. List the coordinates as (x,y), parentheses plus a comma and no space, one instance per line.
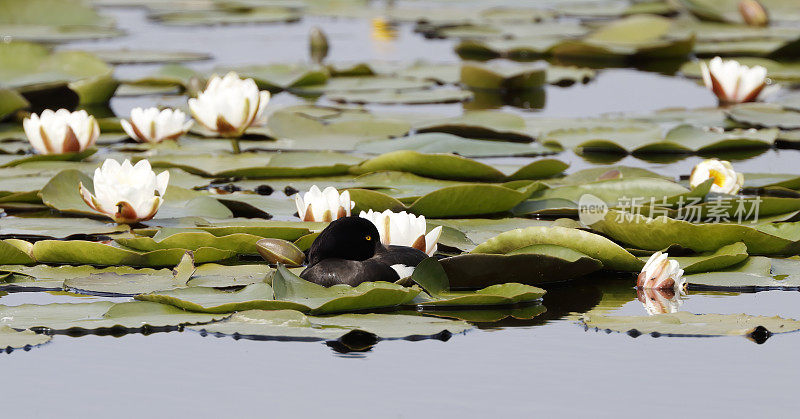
(659,301)
(383,29)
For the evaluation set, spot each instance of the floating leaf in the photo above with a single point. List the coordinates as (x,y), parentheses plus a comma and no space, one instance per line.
(229,16)
(10,102)
(662,232)
(338,298)
(258,296)
(129,284)
(595,246)
(93,253)
(431,275)
(100,316)
(752,275)
(38,70)
(764,115)
(13,251)
(413,97)
(240,243)
(501,76)
(12,339)
(259,165)
(447,143)
(688,324)
(293,325)
(713,261)
(314,128)
(453,201)
(531,265)
(276,77)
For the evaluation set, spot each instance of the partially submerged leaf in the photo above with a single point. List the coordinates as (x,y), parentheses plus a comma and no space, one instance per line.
(688,324)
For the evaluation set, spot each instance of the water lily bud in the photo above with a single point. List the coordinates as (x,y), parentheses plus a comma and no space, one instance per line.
(327,205)
(726,180)
(732,82)
(753,13)
(404,229)
(318,45)
(280,251)
(661,273)
(153,126)
(126,193)
(229,105)
(61,131)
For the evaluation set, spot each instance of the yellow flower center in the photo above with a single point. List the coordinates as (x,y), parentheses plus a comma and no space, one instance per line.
(719,178)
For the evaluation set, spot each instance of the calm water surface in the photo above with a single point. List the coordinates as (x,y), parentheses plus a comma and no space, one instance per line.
(548,365)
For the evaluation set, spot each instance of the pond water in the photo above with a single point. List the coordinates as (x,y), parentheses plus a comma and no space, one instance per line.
(545,365)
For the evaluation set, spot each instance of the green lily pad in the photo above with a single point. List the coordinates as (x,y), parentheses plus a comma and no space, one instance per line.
(100,316)
(688,324)
(314,128)
(53,277)
(481,125)
(431,275)
(338,298)
(259,165)
(13,251)
(38,70)
(53,21)
(74,156)
(453,201)
(440,166)
(364,84)
(752,275)
(724,257)
(277,77)
(131,56)
(129,284)
(661,232)
(530,265)
(294,325)
(636,37)
(10,102)
(447,143)
(240,243)
(503,76)
(412,97)
(12,339)
(764,115)
(228,16)
(258,296)
(93,253)
(595,246)
(59,228)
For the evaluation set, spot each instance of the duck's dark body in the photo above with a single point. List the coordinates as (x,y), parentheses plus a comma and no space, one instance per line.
(349,251)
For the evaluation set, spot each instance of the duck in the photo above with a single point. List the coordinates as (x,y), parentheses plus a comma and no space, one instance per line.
(349,251)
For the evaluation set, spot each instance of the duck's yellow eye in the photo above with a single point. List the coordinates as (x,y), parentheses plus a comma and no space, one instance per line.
(368,238)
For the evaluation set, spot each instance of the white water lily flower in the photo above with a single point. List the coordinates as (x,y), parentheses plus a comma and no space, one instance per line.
(726,180)
(229,105)
(126,193)
(327,205)
(733,82)
(659,301)
(61,131)
(661,273)
(153,126)
(404,229)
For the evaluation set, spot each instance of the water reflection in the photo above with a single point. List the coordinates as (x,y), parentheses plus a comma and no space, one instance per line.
(658,301)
